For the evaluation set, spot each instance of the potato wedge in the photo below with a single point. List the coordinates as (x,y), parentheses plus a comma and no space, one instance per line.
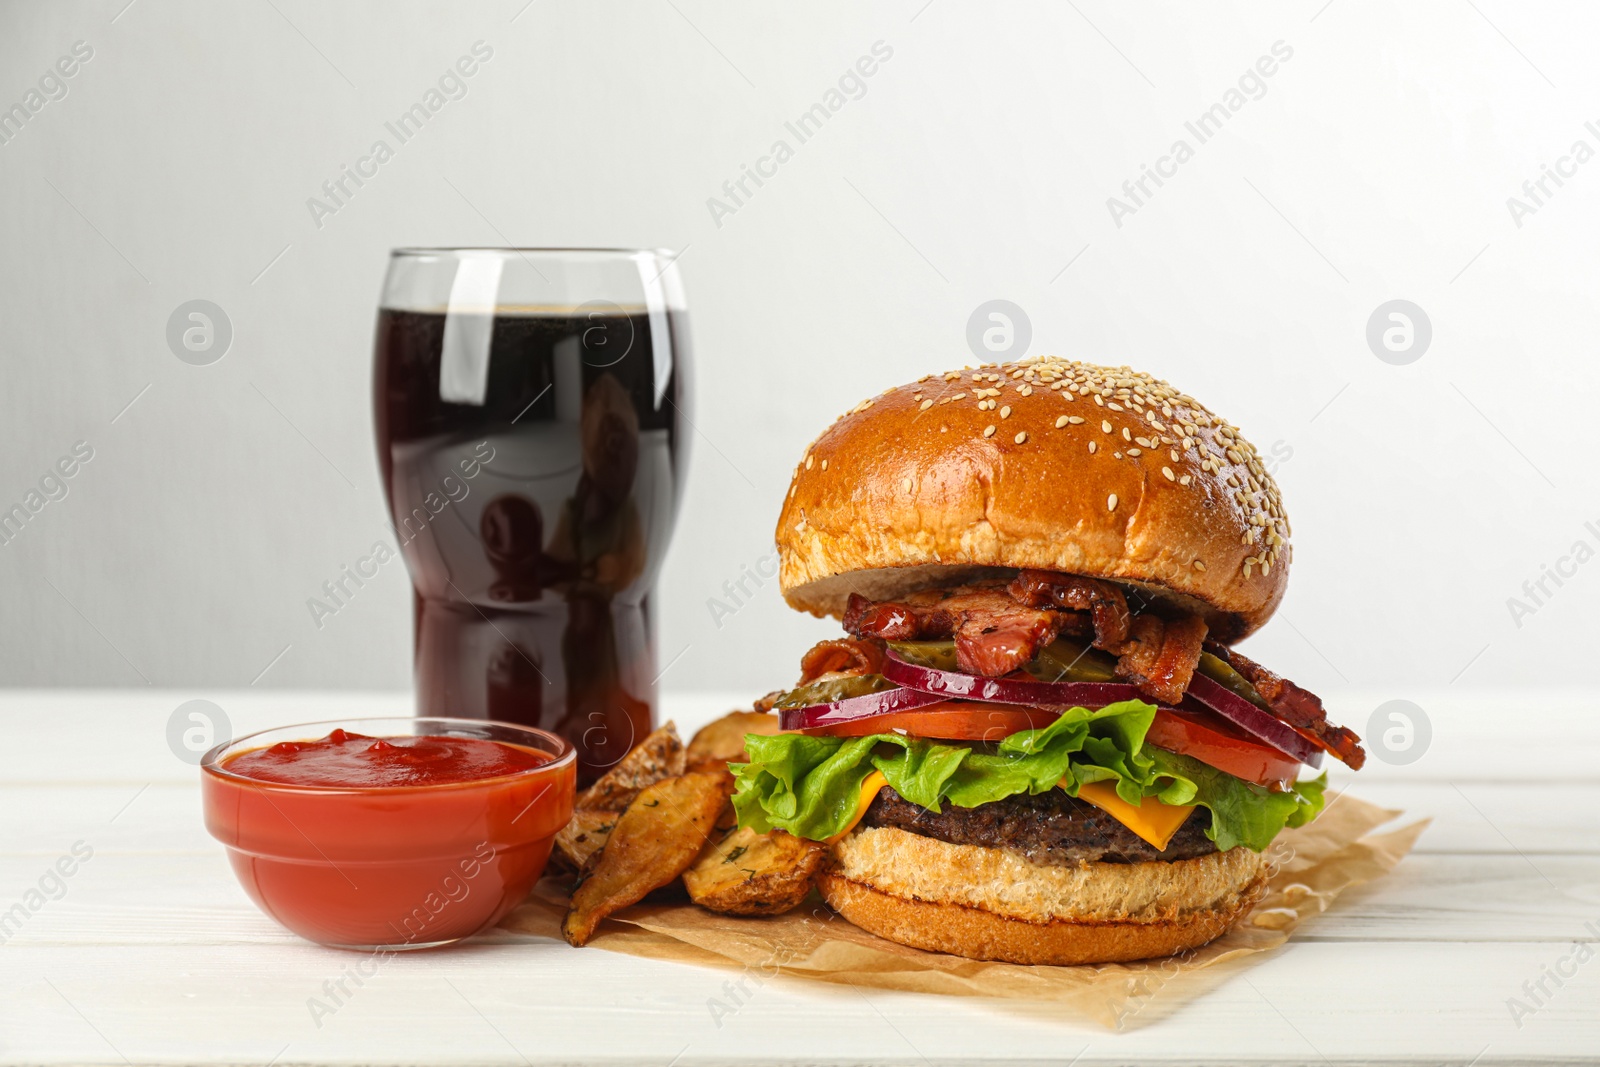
(746,873)
(659,835)
(717,743)
(658,756)
(580,841)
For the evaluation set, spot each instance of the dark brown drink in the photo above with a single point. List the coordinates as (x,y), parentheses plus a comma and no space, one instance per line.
(532,461)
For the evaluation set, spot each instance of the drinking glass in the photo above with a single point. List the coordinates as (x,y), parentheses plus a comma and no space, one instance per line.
(530,406)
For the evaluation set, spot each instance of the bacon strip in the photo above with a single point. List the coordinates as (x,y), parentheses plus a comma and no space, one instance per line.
(999,628)
(841,656)
(1298,707)
(1160,656)
(1104,601)
(1010,645)
(994,635)
(892,621)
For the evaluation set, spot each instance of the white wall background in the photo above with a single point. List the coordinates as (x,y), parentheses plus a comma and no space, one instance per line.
(976,166)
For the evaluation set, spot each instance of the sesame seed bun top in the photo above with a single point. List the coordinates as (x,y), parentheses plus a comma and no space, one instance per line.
(1049,464)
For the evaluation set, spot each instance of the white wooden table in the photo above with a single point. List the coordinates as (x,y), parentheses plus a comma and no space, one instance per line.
(151,954)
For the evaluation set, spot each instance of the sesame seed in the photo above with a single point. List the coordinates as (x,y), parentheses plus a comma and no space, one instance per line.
(1135,452)
(1005,412)
(1021,438)
(1062,421)
(1114,406)
(1174,455)
(1076,420)
(906,485)
(824,464)
(1111,502)
(1167,473)
(1105,426)
(1126,436)
(1116,455)
(808,463)
(959,396)
(926,404)
(1091,448)
(1097,400)
(1186,479)
(988,431)
(1199,566)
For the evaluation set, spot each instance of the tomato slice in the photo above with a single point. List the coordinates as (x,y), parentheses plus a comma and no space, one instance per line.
(950,720)
(1217,743)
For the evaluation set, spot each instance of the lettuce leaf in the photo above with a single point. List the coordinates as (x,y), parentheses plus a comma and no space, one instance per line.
(1241,813)
(811,786)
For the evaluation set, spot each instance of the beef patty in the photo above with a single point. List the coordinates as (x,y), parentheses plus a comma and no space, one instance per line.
(1051,828)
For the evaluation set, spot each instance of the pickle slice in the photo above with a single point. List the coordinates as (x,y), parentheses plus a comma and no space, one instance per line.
(1065,660)
(1224,675)
(940,655)
(831,690)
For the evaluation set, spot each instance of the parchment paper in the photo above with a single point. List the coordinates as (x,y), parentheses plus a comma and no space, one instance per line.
(1310,867)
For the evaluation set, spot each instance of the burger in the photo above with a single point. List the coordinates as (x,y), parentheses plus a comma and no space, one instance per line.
(1035,740)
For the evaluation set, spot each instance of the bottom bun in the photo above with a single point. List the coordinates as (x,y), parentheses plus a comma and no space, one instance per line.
(933,895)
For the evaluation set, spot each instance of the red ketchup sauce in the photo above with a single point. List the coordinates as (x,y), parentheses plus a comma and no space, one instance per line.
(345,760)
(400,842)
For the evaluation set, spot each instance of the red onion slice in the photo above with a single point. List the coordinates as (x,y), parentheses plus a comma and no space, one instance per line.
(859,707)
(1205,692)
(1252,720)
(1004,690)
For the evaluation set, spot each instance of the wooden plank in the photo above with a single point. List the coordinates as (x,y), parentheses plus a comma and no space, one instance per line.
(46,818)
(120,736)
(192,898)
(1490,816)
(116,736)
(542,1002)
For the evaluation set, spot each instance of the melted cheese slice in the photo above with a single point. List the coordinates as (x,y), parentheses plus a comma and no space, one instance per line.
(869,789)
(1152,820)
